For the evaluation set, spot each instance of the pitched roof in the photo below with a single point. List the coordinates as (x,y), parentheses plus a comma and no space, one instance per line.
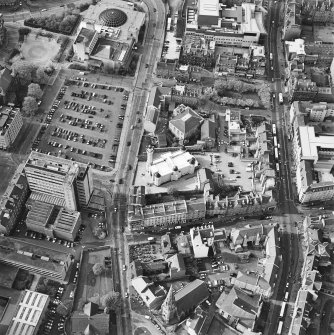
(152,114)
(239,304)
(191,295)
(91,309)
(99,322)
(176,262)
(186,121)
(208,129)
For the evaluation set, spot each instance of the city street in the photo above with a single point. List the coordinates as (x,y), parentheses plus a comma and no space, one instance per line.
(287,208)
(118,210)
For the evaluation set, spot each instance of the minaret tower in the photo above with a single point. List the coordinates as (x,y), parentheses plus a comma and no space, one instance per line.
(149,161)
(168,308)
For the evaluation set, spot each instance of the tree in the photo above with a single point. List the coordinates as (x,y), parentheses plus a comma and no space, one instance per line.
(111,300)
(35,91)
(98,268)
(24,70)
(24,31)
(29,106)
(41,76)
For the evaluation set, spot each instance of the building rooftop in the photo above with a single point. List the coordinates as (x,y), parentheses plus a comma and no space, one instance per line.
(186,121)
(208,7)
(28,314)
(21,253)
(172,160)
(240,305)
(191,295)
(85,35)
(122,21)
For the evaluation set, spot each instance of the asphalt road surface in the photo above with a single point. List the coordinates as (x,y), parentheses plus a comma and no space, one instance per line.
(118,211)
(288,211)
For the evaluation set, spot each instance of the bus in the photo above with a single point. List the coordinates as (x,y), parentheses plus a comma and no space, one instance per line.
(281,314)
(275,141)
(276,153)
(280,98)
(279,328)
(274,128)
(286,297)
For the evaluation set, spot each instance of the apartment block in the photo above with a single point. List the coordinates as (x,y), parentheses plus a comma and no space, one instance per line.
(163,215)
(59,181)
(30,313)
(313,150)
(35,259)
(12,202)
(11,123)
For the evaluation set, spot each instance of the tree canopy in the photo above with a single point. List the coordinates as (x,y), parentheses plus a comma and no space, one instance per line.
(34,90)
(111,300)
(29,106)
(98,268)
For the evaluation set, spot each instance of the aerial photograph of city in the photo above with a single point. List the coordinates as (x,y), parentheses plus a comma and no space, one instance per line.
(166,167)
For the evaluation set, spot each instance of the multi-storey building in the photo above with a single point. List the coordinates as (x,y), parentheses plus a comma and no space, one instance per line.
(107,33)
(163,215)
(292,21)
(10,125)
(59,181)
(12,202)
(52,221)
(313,151)
(30,313)
(240,25)
(35,259)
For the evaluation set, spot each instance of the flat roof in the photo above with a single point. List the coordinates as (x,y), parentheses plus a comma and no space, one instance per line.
(85,36)
(29,312)
(54,260)
(309,142)
(125,32)
(208,7)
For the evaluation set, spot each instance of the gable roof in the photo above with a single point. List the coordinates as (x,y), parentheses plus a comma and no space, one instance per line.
(99,324)
(191,295)
(208,129)
(152,114)
(186,121)
(238,304)
(90,309)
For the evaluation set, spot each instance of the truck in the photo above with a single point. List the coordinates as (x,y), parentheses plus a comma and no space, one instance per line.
(150,239)
(82,73)
(271,56)
(249,169)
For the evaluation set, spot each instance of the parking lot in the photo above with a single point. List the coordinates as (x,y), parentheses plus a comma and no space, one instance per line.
(85,123)
(145,252)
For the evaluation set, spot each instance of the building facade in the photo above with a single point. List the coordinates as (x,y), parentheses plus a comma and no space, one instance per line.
(12,202)
(11,123)
(59,181)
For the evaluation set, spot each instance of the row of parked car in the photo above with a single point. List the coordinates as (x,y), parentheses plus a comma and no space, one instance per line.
(55,105)
(40,236)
